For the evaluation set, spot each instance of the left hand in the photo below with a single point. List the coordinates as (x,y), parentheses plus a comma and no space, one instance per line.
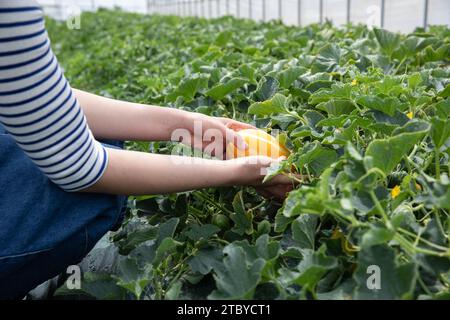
(205,132)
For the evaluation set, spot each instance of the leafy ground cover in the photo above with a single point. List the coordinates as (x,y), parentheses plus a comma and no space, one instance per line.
(366,114)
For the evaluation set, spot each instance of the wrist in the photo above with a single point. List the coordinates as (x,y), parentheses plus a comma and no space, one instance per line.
(166,120)
(239,173)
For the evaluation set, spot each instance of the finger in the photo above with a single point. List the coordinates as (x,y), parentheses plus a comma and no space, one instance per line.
(278,180)
(263,193)
(236,125)
(237,140)
(277,191)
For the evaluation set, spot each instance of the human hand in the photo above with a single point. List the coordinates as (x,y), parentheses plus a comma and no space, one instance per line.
(212,134)
(252,170)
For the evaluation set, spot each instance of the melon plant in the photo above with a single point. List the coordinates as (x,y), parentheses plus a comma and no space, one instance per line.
(365,114)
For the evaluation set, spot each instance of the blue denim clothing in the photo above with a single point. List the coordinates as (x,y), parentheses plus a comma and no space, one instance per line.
(44,229)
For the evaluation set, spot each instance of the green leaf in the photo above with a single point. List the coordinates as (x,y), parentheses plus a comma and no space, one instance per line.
(327,59)
(337,107)
(446,92)
(248,73)
(414,80)
(396,281)
(100,286)
(188,88)
(318,84)
(278,104)
(316,157)
(440,131)
(264,248)
(154,250)
(223,38)
(288,76)
(386,105)
(205,260)
(443,108)
(135,238)
(337,90)
(243,220)
(387,153)
(167,229)
(304,230)
(167,246)
(387,40)
(282,221)
(303,200)
(197,232)
(342,292)
(236,278)
(275,169)
(132,277)
(314,265)
(221,90)
(376,236)
(174,291)
(267,87)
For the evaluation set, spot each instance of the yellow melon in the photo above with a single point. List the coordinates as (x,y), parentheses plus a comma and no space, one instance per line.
(259,143)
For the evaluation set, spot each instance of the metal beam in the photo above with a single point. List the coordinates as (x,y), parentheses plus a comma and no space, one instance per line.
(349,5)
(382,13)
(321,11)
(425,14)
(280,10)
(264,10)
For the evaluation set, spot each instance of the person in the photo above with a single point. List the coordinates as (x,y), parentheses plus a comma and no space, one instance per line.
(63,171)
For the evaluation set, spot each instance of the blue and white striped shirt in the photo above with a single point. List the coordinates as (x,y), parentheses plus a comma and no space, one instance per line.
(37,106)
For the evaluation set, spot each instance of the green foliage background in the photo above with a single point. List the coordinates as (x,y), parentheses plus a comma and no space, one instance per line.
(364,111)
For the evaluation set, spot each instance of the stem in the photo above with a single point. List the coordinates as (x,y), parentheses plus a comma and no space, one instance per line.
(417,208)
(431,244)
(204,197)
(424,287)
(293,177)
(399,65)
(297,116)
(439,223)
(258,206)
(368,173)
(419,169)
(437,163)
(221,241)
(380,208)
(400,239)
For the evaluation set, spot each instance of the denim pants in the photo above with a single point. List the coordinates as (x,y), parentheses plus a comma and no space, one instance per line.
(44,229)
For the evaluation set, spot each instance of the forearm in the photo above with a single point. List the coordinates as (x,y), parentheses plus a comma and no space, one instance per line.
(136,173)
(120,120)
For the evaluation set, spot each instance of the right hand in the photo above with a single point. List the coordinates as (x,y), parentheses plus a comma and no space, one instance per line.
(251,172)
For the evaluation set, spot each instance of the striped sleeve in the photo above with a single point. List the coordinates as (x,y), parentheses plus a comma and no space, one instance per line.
(37,106)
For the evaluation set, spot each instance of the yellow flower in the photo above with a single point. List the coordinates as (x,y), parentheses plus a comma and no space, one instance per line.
(354,82)
(410,115)
(418,187)
(395,192)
